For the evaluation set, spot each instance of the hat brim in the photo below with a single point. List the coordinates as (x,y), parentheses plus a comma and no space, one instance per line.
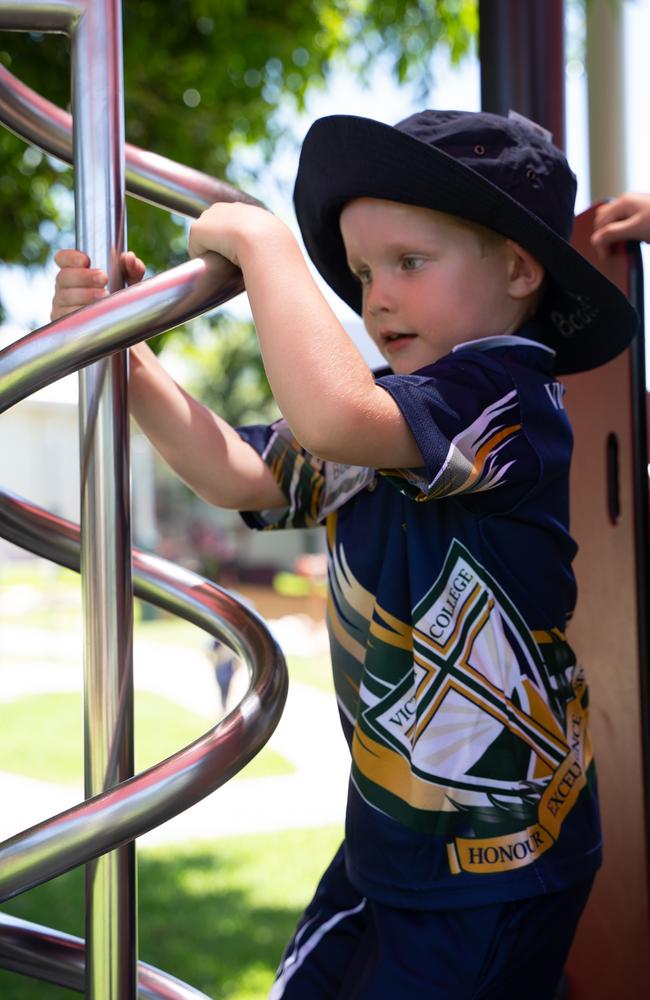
(587,319)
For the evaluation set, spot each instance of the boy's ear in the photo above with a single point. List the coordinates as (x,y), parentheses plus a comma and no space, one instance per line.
(525,273)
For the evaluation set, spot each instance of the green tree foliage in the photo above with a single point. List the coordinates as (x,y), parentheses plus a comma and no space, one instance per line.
(225,369)
(205,80)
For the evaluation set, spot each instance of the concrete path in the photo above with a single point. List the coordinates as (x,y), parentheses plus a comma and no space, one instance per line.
(308,735)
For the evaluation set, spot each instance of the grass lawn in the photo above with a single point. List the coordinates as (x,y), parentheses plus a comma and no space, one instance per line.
(216,915)
(41,737)
(46,599)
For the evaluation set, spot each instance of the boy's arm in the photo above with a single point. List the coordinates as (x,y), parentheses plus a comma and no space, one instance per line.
(319,380)
(203,449)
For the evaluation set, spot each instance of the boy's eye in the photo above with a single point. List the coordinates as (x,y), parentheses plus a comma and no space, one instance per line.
(411,263)
(363,276)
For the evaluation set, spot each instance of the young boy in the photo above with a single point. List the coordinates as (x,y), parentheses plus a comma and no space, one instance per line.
(472,834)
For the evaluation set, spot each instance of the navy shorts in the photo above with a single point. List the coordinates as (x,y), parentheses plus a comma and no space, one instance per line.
(347,947)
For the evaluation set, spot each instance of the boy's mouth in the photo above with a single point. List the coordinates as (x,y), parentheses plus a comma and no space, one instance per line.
(391,340)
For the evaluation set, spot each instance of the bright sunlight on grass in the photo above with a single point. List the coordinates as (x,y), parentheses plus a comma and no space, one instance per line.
(215,914)
(41,737)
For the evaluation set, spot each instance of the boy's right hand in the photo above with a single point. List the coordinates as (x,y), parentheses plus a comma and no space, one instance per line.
(78,284)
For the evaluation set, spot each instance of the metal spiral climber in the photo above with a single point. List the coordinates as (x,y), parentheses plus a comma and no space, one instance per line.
(119,806)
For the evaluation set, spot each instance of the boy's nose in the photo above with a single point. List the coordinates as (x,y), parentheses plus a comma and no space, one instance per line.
(380,297)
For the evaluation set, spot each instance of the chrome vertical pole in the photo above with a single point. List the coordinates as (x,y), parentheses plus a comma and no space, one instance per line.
(98,133)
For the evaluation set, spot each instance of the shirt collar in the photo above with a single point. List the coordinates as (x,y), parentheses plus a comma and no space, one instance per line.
(502,340)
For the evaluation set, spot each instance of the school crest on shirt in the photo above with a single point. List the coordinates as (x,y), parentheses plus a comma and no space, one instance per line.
(486,725)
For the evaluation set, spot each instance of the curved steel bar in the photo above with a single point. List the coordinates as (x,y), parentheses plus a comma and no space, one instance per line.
(30,527)
(114,323)
(40,15)
(54,957)
(116,816)
(150,177)
(143,802)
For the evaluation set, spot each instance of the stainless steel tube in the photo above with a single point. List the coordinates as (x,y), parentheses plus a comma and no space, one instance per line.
(107,594)
(166,789)
(55,957)
(113,323)
(41,15)
(120,807)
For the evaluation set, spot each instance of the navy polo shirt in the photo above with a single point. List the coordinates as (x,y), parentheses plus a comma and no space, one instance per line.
(450,586)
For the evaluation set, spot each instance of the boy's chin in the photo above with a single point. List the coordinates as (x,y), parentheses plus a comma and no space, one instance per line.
(408,365)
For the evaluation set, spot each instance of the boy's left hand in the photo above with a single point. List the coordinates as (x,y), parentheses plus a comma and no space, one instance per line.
(228,227)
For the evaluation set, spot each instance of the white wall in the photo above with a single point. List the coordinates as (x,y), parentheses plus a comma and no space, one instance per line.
(39,460)
(39,454)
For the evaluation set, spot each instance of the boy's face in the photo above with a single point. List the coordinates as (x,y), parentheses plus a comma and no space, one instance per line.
(428,281)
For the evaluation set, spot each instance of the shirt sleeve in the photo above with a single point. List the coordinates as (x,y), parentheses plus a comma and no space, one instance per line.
(313,488)
(466,419)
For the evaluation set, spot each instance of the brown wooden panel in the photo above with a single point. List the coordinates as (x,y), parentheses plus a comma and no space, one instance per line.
(611,953)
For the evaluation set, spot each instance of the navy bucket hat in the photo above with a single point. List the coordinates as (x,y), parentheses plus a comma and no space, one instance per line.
(502,173)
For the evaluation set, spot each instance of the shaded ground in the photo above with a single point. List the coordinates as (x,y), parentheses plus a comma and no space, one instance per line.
(217,916)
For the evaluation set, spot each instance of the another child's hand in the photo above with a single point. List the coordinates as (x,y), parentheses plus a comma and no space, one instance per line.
(78,284)
(625,218)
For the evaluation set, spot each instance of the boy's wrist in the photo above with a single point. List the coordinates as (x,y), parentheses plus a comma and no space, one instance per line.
(265,236)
